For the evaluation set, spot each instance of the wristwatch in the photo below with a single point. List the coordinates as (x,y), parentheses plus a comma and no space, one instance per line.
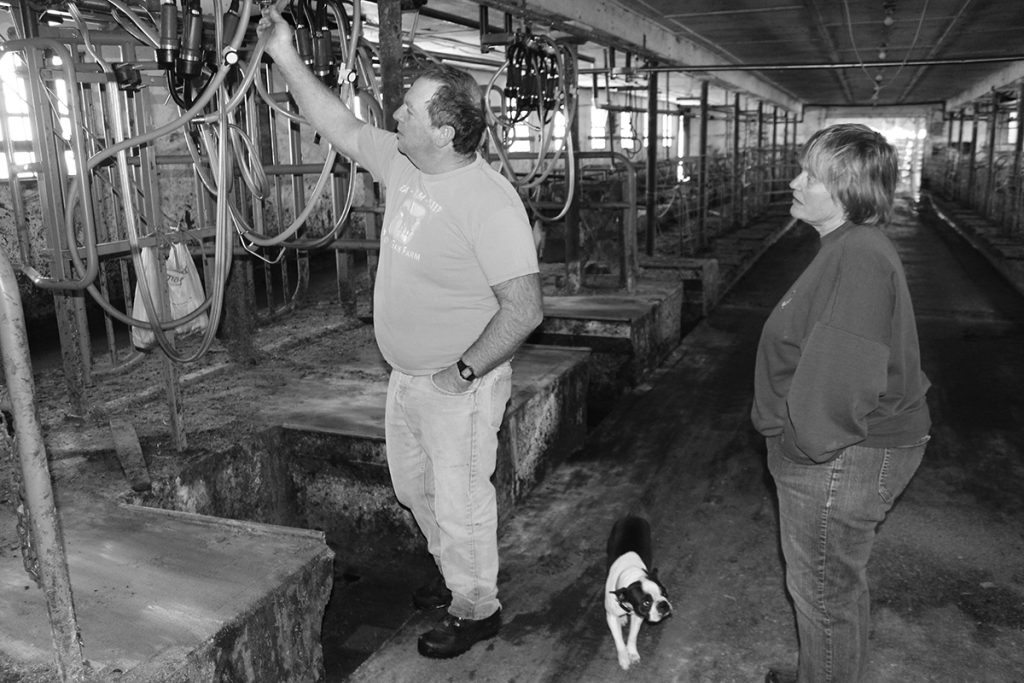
(465,372)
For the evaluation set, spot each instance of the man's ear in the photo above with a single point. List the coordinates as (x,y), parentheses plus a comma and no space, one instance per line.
(444,135)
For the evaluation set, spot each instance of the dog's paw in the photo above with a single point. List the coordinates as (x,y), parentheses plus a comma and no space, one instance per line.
(634,657)
(625,660)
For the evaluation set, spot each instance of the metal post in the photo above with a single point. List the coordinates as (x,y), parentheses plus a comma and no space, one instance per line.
(390,58)
(46,534)
(959,157)
(759,191)
(993,122)
(736,200)
(51,177)
(1015,179)
(652,159)
(573,261)
(775,152)
(971,172)
(702,169)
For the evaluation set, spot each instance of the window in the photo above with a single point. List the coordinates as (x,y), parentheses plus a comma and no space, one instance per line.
(526,136)
(598,128)
(669,124)
(628,125)
(18,124)
(521,136)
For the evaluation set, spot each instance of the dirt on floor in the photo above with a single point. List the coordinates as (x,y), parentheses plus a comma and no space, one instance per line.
(946,573)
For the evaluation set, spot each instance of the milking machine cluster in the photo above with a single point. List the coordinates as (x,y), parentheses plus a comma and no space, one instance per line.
(210,59)
(212,66)
(539,84)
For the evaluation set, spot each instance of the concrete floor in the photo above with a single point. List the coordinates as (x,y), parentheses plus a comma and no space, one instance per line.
(948,570)
(947,575)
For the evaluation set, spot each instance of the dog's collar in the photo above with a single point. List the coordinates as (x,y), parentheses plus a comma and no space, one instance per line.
(628,569)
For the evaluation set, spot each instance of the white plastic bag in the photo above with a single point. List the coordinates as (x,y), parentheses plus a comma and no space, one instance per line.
(144,339)
(184,289)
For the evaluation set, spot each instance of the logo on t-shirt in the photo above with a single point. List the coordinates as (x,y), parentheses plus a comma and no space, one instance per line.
(415,208)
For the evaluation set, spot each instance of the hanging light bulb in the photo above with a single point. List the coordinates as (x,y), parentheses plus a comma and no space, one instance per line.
(882,54)
(890,9)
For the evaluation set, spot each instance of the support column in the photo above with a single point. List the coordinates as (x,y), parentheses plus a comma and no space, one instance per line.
(49,564)
(702,170)
(775,152)
(736,200)
(1015,179)
(760,196)
(652,159)
(390,12)
(990,172)
(959,158)
(573,261)
(971,172)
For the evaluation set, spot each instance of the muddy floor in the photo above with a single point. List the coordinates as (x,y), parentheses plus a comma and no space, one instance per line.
(947,575)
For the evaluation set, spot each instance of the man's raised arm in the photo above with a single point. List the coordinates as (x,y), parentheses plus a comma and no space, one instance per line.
(321,107)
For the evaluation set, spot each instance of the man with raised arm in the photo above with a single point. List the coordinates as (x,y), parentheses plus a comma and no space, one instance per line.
(456,293)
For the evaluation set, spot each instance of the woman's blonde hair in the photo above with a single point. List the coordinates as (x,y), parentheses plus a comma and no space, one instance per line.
(858,166)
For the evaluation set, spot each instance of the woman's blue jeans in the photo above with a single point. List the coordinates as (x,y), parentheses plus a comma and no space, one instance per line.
(828,517)
(442,449)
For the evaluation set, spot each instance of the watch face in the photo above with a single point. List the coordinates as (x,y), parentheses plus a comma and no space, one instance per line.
(466,373)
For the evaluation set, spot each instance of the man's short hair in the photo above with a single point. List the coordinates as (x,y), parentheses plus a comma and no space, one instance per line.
(457,102)
(858,166)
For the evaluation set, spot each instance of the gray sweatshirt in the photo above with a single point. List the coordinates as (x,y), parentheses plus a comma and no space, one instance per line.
(838,362)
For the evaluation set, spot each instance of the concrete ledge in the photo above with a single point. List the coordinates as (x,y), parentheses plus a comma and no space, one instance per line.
(169,596)
(1006,256)
(700,278)
(341,477)
(321,463)
(621,331)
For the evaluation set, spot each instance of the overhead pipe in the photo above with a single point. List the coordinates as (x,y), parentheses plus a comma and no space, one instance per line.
(822,65)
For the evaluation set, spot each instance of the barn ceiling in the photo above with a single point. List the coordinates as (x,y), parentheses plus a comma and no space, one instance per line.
(789,53)
(836,53)
(866,52)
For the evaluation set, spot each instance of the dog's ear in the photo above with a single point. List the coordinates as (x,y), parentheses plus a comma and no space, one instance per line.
(622,596)
(653,575)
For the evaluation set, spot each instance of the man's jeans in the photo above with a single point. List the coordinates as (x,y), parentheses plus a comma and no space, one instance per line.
(441,452)
(828,517)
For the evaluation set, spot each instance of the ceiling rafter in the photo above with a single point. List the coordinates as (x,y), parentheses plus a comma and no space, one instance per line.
(819,27)
(936,48)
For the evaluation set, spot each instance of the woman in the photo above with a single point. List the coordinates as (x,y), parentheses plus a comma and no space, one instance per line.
(839,396)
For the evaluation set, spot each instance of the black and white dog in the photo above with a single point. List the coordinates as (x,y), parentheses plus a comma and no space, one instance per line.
(632,593)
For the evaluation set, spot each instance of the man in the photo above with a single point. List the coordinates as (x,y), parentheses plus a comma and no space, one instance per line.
(457,291)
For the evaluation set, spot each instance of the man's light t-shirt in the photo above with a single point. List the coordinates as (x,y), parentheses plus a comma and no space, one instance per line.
(447,239)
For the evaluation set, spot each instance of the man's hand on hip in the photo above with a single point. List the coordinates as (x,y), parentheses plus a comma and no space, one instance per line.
(451,381)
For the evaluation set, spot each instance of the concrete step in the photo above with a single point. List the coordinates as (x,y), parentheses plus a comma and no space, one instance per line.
(628,334)
(321,463)
(173,596)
